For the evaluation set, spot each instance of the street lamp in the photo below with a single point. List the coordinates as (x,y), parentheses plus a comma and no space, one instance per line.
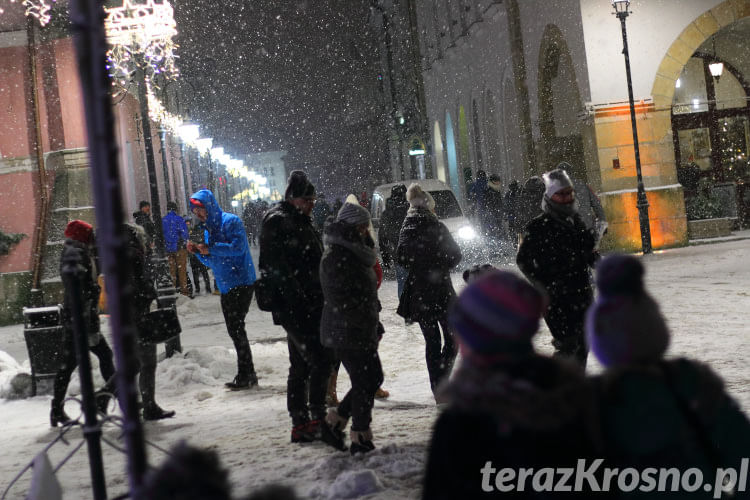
(621,11)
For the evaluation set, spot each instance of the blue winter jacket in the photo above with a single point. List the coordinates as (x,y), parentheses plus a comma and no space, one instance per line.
(175,232)
(229,253)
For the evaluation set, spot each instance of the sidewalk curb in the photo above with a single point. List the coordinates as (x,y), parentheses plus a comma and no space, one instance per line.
(711,241)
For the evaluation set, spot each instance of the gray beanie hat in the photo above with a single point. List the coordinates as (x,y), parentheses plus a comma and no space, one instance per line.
(353,213)
(556,180)
(417,197)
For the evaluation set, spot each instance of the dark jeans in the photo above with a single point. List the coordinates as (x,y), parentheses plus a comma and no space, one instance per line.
(147,374)
(199,270)
(565,320)
(235,304)
(366,374)
(69,364)
(439,359)
(309,371)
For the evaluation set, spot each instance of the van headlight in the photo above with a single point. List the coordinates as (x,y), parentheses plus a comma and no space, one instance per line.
(467,233)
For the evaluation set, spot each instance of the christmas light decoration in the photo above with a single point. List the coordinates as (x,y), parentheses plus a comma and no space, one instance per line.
(140,35)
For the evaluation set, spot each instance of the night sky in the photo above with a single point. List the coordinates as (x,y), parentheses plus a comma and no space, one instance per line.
(283,74)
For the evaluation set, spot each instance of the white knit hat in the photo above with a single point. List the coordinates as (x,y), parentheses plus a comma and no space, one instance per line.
(417,197)
(555,180)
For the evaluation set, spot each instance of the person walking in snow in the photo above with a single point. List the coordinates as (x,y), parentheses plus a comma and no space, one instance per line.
(349,323)
(556,252)
(475,195)
(321,212)
(692,421)
(290,253)
(529,203)
(428,252)
(144,294)
(227,252)
(511,200)
(493,215)
(176,237)
(80,245)
(507,406)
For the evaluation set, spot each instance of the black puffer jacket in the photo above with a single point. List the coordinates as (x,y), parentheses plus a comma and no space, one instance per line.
(557,253)
(290,253)
(347,276)
(89,288)
(391,222)
(144,291)
(427,249)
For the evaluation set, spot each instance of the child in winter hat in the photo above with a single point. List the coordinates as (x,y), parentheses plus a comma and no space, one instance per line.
(417,197)
(496,316)
(624,325)
(354,214)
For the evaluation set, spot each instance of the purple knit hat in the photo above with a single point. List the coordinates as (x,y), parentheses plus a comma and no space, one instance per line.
(624,326)
(497,315)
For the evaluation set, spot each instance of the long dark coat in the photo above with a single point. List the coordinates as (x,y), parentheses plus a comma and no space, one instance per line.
(428,251)
(347,276)
(290,253)
(89,288)
(557,253)
(390,224)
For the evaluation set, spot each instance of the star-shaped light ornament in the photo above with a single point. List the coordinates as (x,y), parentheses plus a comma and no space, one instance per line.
(140,33)
(39,9)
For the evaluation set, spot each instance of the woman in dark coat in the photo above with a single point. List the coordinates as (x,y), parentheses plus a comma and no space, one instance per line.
(667,414)
(144,294)
(349,323)
(556,252)
(508,406)
(428,252)
(79,245)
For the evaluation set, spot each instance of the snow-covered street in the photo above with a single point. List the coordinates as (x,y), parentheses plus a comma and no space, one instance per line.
(703,291)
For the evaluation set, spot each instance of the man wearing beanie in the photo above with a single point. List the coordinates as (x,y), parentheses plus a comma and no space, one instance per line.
(79,245)
(556,253)
(428,252)
(667,414)
(226,251)
(506,404)
(290,253)
(349,324)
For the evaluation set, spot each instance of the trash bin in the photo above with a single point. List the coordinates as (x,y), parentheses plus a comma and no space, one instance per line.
(43,333)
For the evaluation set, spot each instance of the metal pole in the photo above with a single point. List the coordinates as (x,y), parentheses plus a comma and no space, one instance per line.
(164,164)
(71,275)
(642,202)
(211,181)
(87,19)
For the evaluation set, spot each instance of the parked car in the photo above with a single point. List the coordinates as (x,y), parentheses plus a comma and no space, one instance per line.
(447,209)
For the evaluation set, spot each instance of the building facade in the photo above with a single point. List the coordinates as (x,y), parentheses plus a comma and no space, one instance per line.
(513,87)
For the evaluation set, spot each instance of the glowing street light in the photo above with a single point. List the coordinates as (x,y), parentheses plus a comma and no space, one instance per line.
(189,132)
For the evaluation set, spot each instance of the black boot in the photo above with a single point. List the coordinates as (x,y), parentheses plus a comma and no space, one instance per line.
(102,399)
(58,416)
(361,442)
(154,412)
(330,436)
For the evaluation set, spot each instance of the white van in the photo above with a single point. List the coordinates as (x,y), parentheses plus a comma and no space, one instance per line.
(447,209)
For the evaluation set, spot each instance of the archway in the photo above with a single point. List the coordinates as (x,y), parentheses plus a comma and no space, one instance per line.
(450,145)
(559,105)
(437,141)
(710,127)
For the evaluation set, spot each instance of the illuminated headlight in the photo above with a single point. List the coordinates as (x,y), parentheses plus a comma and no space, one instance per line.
(467,233)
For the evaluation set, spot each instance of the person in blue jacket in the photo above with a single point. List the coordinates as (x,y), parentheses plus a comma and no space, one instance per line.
(227,252)
(175,238)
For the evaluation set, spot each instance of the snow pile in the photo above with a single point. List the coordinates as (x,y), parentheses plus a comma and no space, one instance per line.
(355,484)
(203,366)
(15,381)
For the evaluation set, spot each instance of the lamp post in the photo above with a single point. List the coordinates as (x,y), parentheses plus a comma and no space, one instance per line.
(621,11)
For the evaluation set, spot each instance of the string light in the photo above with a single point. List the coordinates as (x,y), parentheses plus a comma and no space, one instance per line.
(38,9)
